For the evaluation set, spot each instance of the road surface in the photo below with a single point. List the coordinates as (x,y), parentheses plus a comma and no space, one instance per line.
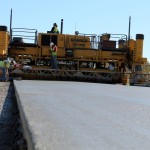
(85,116)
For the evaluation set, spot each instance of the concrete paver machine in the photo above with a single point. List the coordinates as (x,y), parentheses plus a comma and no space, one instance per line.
(89,57)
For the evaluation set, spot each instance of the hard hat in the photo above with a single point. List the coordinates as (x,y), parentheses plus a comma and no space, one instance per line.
(51,43)
(55,24)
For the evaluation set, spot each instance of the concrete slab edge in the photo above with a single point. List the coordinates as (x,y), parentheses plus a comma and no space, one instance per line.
(24,122)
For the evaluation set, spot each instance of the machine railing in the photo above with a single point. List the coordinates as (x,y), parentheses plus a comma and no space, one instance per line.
(24,35)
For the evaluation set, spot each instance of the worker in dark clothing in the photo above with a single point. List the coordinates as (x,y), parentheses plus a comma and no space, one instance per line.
(55,28)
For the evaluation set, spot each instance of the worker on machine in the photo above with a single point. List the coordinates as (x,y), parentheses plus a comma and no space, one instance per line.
(55,28)
(53,51)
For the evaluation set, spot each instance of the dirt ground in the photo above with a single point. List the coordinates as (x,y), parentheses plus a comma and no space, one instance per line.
(11,136)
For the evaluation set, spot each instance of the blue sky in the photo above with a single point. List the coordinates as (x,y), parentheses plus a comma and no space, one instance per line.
(89,17)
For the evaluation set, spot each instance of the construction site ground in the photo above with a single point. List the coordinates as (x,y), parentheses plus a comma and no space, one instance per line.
(11,135)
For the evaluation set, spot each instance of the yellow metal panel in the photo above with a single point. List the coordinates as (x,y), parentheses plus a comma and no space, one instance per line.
(86,54)
(25,52)
(45,51)
(61,52)
(39,39)
(106,54)
(4,41)
(139,50)
(132,44)
(75,41)
(61,40)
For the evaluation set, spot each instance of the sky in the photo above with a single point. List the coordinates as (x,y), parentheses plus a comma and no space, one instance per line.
(88,17)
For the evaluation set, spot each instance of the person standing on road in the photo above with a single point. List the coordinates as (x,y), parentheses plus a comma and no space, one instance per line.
(53,51)
(7,67)
(3,70)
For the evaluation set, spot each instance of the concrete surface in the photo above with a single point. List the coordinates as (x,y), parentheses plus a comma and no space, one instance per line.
(61,115)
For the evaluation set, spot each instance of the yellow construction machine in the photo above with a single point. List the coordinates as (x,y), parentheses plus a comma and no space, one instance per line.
(101,58)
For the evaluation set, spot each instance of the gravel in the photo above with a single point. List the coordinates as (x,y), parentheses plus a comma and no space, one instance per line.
(11,135)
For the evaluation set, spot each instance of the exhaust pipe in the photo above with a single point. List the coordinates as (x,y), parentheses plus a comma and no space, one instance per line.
(61,31)
(11,25)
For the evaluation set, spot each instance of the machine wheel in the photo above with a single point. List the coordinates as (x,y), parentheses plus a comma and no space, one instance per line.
(3,28)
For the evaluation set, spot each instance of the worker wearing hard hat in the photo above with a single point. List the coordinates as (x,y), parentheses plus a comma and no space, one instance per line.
(53,51)
(55,28)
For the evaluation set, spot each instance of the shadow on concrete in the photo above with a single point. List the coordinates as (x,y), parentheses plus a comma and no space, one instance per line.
(11,135)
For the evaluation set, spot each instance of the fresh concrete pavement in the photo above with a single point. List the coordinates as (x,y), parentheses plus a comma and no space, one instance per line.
(59,115)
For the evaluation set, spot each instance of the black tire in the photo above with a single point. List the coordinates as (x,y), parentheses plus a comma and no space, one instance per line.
(3,28)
